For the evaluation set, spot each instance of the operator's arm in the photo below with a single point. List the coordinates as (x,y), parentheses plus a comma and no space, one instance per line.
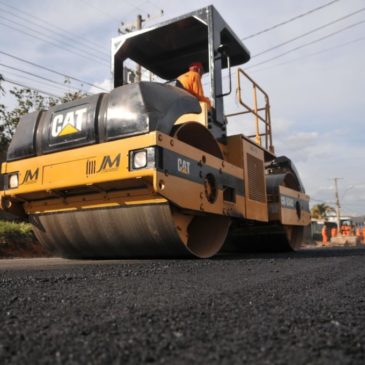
(198,90)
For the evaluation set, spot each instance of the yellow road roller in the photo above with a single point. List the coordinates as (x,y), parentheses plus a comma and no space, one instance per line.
(149,171)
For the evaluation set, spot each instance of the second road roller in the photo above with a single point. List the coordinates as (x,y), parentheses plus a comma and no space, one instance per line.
(149,171)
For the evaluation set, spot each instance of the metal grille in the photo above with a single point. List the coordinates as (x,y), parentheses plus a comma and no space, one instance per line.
(256,179)
(90,167)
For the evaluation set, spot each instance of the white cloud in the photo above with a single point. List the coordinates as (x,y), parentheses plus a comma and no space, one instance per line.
(106,85)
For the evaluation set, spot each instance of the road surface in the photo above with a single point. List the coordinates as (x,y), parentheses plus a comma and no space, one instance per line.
(303,308)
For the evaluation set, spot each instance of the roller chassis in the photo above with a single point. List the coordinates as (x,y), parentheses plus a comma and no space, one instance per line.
(183,177)
(148,171)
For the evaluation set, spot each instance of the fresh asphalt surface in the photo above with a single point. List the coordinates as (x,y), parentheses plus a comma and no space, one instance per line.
(302,308)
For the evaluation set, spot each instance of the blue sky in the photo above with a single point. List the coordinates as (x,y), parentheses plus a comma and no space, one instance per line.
(316,92)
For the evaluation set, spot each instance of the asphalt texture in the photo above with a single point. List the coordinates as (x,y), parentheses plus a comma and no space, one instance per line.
(299,308)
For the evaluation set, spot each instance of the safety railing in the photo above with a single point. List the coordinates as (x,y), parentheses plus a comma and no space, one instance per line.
(261,113)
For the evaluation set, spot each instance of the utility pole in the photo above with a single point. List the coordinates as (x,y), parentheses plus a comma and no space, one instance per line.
(137,26)
(139,68)
(338,206)
(127,28)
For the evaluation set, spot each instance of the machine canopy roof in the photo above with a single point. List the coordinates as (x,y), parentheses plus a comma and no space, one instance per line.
(169,48)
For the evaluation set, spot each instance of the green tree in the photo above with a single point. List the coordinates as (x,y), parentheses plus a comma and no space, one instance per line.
(2,91)
(27,101)
(321,211)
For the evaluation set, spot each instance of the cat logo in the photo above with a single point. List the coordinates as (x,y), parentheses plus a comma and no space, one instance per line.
(68,123)
(30,178)
(108,165)
(183,166)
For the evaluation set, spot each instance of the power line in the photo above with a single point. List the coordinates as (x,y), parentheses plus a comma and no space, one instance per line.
(49,29)
(152,3)
(30,87)
(100,10)
(311,54)
(309,32)
(112,16)
(38,82)
(289,20)
(52,25)
(44,39)
(39,77)
(306,44)
(52,71)
(302,57)
(137,7)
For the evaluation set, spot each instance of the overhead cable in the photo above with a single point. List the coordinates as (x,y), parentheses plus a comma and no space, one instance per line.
(52,71)
(290,20)
(309,32)
(39,77)
(100,10)
(310,55)
(5,79)
(306,44)
(33,16)
(49,29)
(44,39)
(22,77)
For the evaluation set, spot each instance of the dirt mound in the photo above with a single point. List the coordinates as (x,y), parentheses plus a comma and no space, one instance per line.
(17,240)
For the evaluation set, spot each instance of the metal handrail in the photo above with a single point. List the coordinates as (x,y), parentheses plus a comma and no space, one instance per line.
(255,110)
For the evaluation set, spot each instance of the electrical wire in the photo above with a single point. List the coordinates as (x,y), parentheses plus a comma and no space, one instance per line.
(73,35)
(30,87)
(152,3)
(311,55)
(303,57)
(112,16)
(302,15)
(100,10)
(309,32)
(44,39)
(38,82)
(136,7)
(50,30)
(52,71)
(40,77)
(306,44)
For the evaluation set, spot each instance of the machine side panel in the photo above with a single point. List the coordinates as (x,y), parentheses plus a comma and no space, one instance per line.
(196,180)
(294,207)
(233,153)
(23,143)
(254,175)
(40,177)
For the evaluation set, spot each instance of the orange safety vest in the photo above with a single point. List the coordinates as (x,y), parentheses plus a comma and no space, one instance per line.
(191,82)
(324,234)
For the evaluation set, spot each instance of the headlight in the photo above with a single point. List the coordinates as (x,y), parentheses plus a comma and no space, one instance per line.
(13,181)
(140,159)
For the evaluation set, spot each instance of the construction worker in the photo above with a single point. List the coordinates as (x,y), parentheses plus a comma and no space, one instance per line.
(324,235)
(358,233)
(191,81)
(343,230)
(333,232)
